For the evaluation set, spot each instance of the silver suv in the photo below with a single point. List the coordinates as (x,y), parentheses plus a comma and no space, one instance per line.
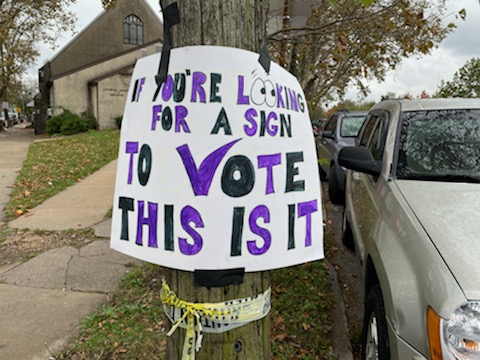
(412,214)
(340,130)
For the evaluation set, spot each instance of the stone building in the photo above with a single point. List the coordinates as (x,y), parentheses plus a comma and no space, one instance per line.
(92,73)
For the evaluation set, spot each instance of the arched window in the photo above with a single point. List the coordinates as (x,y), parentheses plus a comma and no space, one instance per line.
(132,30)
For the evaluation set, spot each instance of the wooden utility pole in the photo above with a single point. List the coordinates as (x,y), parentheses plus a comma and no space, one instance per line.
(239,24)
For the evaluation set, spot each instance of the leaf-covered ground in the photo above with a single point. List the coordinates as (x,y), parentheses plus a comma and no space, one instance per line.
(132,325)
(55,164)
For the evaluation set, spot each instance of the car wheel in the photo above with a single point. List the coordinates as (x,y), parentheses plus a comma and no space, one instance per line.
(336,194)
(323,174)
(375,335)
(347,235)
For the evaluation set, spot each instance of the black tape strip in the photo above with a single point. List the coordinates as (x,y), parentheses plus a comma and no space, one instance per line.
(264,58)
(171,16)
(218,278)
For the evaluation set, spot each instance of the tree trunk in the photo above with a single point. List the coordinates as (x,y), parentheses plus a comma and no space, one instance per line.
(240,24)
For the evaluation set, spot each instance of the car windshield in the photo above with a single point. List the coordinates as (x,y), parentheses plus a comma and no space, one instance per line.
(351,125)
(442,145)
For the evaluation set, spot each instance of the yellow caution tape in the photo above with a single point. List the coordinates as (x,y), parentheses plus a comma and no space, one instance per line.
(210,317)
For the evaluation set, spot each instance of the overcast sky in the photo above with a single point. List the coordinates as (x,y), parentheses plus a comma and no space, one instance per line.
(412,76)
(417,74)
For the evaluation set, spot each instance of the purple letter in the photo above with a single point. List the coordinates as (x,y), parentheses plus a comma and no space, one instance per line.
(198,80)
(306,209)
(272,131)
(167,88)
(157,109)
(202,177)
(181,113)
(189,214)
(280,103)
(269,161)
(259,211)
(140,87)
(132,148)
(293,100)
(249,115)
(241,99)
(150,221)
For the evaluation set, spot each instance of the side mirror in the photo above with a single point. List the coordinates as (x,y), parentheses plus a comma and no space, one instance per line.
(359,159)
(327,134)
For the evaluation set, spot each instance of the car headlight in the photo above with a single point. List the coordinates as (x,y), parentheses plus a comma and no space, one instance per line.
(461,332)
(457,337)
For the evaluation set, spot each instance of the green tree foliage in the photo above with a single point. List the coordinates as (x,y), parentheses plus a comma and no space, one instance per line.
(24,23)
(349,42)
(351,105)
(108,4)
(465,83)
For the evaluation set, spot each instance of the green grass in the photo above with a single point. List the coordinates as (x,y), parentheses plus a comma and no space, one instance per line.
(52,166)
(132,324)
(300,314)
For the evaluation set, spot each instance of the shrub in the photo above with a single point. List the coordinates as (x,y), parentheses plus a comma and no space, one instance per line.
(69,123)
(89,120)
(118,121)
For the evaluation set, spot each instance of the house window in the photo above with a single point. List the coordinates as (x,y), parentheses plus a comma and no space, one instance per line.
(132,30)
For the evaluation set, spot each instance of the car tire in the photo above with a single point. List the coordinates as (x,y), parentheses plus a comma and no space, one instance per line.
(335,193)
(347,235)
(375,333)
(322,173)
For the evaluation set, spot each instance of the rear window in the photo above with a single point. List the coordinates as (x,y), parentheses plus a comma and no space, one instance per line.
(351,125)
(440,144)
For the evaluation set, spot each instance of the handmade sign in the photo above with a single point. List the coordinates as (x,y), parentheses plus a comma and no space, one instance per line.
(217,169)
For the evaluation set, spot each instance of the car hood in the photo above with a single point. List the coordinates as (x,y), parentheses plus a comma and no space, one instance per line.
(450,214)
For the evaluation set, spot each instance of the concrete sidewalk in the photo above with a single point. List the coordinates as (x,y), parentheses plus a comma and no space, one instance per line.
(13,150)
(80,206)
(43,300)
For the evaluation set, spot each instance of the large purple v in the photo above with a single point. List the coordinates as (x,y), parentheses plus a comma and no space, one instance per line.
(201,178)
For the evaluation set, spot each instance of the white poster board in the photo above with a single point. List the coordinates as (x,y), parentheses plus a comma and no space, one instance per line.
(220,171)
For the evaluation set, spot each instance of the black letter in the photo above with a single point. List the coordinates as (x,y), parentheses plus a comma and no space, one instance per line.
(291,185)
(215,79)
(168,217)
(222,121)
(144,157)
(291,226)
(179,88)
(242,167)
(237,226)
(285,127)
(126,204)
(167,118)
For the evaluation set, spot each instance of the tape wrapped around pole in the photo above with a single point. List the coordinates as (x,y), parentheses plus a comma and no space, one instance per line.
(219,317)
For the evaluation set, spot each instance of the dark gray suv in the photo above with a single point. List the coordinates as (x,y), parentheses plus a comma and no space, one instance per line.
(341,130)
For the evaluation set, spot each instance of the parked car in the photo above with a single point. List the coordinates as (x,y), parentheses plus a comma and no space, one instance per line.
(340,130)
(317,125)
(412,214)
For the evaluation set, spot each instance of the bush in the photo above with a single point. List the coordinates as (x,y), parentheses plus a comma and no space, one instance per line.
(69,123)
(118,121)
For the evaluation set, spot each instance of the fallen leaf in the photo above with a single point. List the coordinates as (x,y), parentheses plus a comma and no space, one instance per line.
(278,320)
